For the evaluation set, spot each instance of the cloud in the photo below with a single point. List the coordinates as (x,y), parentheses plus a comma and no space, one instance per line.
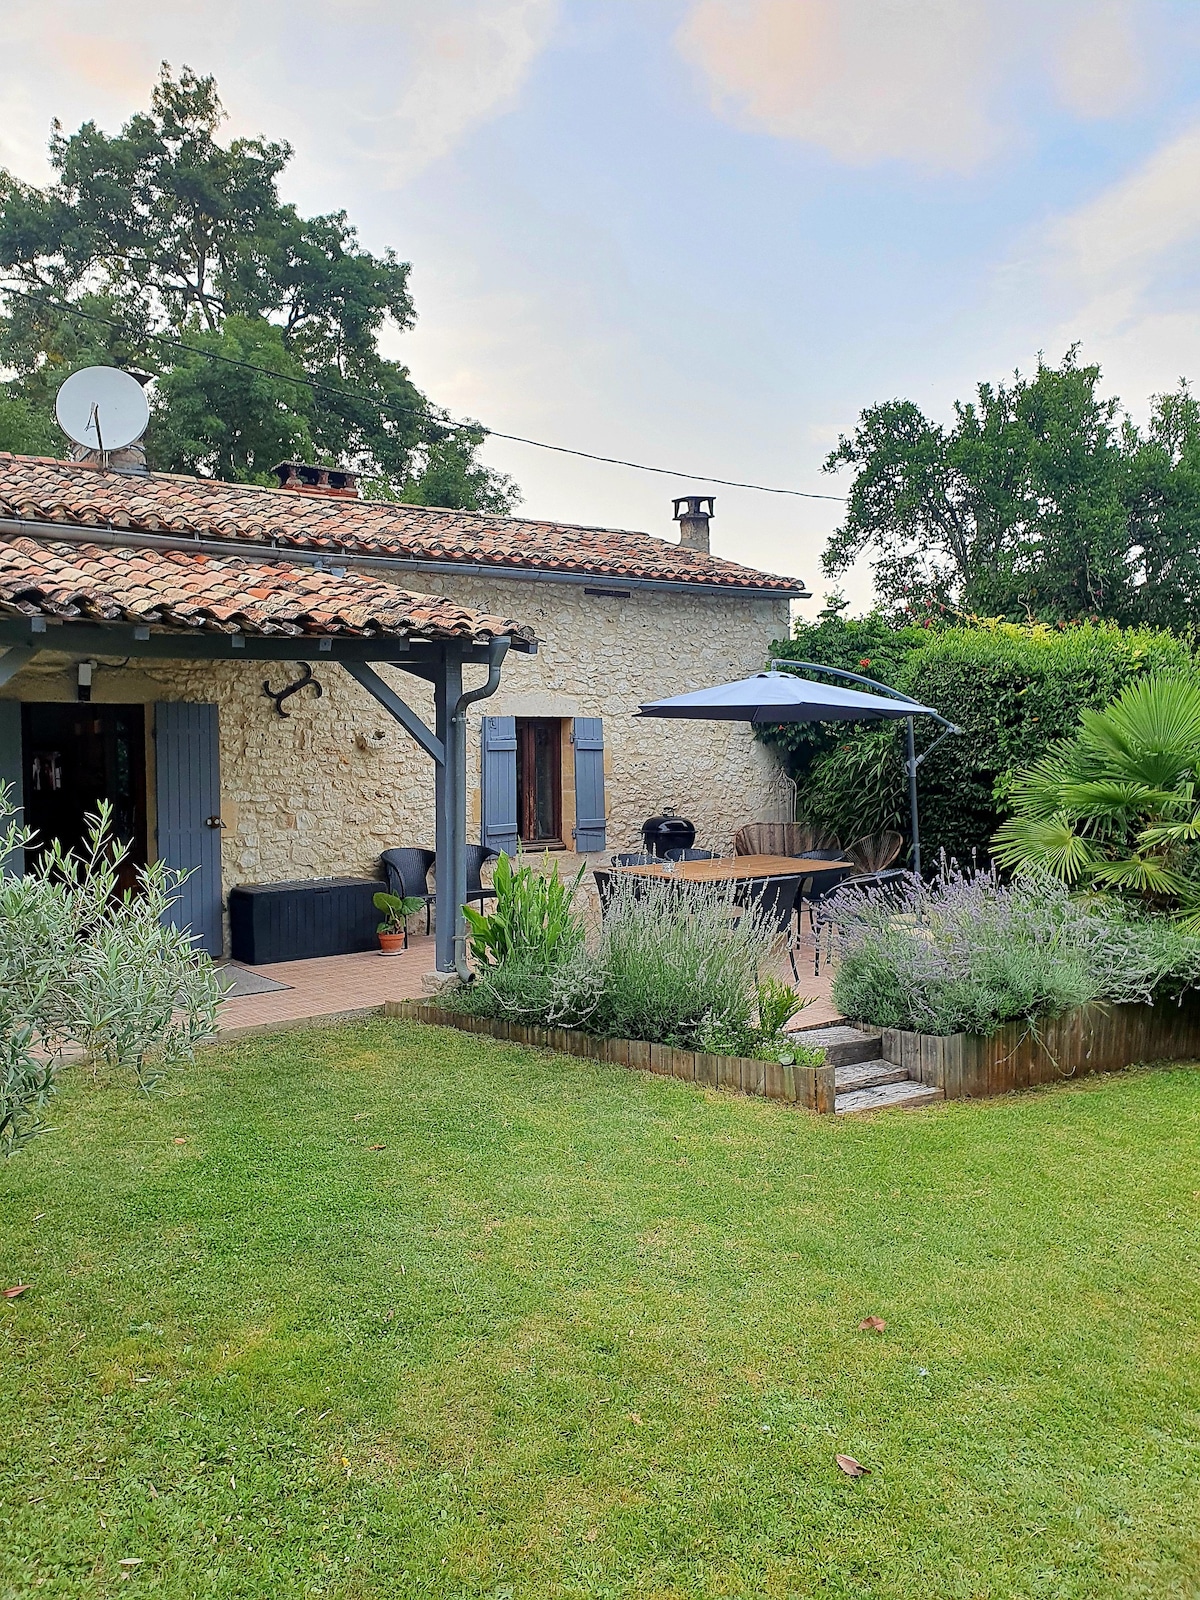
(1100,68)
(929,82)
(390,86)
(1117,273)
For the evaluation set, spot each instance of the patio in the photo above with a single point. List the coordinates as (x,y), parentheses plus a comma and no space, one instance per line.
(334,988)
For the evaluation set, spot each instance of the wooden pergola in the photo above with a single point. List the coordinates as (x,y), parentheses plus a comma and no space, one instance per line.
(439,662)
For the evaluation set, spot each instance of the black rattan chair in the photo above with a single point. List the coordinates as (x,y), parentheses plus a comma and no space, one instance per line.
(477,855)
(691,855)
(635,858)
(408,875)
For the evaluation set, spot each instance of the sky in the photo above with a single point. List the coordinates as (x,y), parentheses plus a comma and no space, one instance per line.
(704,234)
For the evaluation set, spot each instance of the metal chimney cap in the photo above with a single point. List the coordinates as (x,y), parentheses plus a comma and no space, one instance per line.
(698,505)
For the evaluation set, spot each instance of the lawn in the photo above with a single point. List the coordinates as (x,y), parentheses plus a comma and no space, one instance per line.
(393,1311)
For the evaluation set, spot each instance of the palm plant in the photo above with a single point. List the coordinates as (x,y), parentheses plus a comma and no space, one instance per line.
(1117,808)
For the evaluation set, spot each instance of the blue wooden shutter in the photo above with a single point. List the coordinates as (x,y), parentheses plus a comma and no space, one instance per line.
(500,783)
(12,776)
(188,791)
(588,736)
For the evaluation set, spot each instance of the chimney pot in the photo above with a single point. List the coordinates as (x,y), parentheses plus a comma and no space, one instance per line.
(333,482)
(693,520)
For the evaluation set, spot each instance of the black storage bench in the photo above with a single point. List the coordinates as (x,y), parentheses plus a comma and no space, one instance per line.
(296,921)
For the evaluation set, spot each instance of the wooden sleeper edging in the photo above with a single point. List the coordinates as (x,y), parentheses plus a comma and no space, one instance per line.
(809,1087)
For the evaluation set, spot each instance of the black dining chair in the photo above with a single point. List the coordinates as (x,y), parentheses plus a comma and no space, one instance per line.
(691,855)
(820,887)
(776,898)
(635,858)
(408,875)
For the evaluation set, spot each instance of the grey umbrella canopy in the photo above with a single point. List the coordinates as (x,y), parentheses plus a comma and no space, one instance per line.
(776,697)
(783,697)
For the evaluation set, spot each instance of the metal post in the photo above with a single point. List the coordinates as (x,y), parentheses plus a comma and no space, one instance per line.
(910,742)
(450,801)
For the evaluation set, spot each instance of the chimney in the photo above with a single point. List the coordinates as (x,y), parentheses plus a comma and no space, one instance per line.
(693,521)
(333,482)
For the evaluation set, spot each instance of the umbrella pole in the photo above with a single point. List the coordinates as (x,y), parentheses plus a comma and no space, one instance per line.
(910,741)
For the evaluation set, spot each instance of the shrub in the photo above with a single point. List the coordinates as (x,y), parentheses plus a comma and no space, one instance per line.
(672,967)
(1116,808)
(679,968)
(84,966)
(1015,689)
(533,921)
(967,953)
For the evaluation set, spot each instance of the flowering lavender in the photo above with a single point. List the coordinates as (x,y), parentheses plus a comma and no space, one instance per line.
(967,952)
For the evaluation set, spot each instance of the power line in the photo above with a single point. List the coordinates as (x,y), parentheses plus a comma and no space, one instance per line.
(396,405)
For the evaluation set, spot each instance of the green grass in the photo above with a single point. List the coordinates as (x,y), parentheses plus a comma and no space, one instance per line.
(576,1332)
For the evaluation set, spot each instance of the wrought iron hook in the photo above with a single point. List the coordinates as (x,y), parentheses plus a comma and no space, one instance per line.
(305,681)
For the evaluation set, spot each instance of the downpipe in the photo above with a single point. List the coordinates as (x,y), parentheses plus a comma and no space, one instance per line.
(497,650)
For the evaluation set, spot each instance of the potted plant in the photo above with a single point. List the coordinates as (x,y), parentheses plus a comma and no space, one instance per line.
(393,930)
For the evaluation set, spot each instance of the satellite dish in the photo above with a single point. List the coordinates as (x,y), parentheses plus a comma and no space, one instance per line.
(102,408)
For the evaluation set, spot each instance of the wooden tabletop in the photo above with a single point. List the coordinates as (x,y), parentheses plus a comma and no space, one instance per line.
(728,869)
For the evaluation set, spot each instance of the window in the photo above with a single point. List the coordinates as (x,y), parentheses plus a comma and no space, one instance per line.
(539,781)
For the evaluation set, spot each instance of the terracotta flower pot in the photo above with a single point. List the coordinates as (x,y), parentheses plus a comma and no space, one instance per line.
(391,944)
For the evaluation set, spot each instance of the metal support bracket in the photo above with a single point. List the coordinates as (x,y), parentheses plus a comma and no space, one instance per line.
(14,658)
(404,714)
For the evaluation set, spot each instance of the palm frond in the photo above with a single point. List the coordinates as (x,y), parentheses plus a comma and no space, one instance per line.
(1145,874)
(1044,844)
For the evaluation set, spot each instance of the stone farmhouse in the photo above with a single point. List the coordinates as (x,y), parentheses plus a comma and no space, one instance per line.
(316,782)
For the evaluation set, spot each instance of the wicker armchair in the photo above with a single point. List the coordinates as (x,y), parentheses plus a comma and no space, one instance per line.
(780,839)
(874,853)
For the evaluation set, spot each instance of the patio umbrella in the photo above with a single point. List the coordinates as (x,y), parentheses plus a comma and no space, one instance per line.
(776,697)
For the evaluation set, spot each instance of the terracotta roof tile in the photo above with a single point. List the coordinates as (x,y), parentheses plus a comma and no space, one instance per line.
(39,490)
(225,594)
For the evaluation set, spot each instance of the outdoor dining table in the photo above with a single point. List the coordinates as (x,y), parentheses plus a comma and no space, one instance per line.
(732,869)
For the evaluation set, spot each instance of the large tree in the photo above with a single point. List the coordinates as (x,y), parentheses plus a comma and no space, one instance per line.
(163,231)
(1041,499)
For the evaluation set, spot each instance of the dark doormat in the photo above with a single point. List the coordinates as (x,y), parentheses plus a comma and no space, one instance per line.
(238,980)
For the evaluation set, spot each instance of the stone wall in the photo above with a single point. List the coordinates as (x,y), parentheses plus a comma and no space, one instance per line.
(323,791)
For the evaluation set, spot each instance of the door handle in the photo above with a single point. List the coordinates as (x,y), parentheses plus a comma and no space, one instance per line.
(213,822)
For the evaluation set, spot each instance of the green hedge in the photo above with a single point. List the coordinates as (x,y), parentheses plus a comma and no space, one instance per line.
(1014,689)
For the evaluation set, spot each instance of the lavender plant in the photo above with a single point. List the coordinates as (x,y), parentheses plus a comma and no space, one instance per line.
(967,952)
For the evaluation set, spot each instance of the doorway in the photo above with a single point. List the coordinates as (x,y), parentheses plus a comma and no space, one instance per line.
(76,755)
(539,781)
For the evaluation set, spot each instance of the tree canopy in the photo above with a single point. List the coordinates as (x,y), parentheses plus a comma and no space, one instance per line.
(161,230)
(1041,500)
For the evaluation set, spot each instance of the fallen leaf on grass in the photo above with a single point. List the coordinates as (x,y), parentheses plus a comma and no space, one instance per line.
(852,1468)
(592,1535)
(16,1291)
(130,1561)
(873,1324)
(362,1116)
(635,1418)
(377,1147)
(181,1141)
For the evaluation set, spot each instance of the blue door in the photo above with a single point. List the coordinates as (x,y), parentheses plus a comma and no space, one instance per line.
(188,795)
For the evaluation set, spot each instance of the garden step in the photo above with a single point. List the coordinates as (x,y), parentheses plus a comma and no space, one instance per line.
(842,1045)
(868,1075)
(901,1095)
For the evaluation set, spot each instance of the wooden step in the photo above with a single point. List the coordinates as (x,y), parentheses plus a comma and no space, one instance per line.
(868,1075)
(900,1096)
(842,1045)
